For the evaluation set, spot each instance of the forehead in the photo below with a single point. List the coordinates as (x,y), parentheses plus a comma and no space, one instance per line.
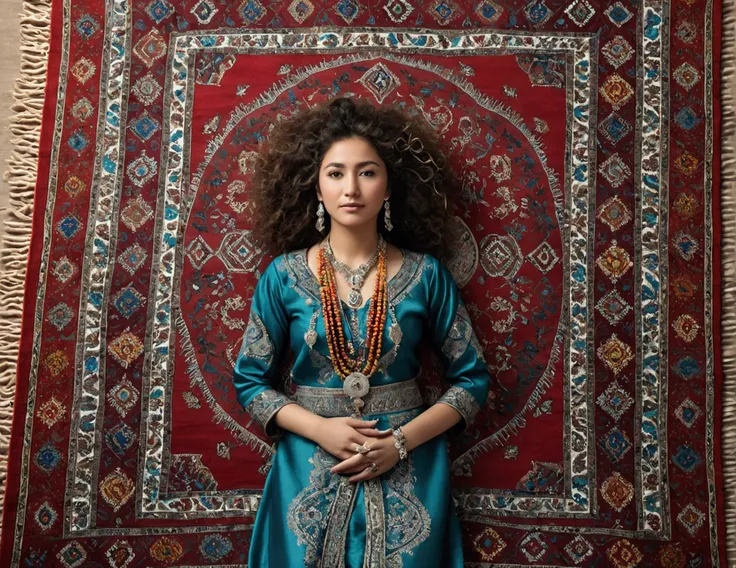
(351,150)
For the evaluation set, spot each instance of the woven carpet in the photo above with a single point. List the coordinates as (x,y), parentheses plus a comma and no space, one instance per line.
(585,136)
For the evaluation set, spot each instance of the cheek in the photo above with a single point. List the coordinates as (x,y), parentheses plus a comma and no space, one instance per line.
(377,195)
(330,194)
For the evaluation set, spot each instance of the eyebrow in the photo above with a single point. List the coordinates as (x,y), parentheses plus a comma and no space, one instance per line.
(360,165)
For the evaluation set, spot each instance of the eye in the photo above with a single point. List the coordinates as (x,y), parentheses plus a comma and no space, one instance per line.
(335,172)
(369,172)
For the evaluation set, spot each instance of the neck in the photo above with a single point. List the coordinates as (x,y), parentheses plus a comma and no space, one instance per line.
(353,246)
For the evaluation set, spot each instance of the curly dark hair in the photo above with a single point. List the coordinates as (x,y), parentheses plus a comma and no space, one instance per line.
(283,187)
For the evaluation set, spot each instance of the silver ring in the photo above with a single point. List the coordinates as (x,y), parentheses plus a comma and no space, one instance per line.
(373,467)
(360,449)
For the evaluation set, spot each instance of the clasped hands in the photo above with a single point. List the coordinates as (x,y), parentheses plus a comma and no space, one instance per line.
(359,445)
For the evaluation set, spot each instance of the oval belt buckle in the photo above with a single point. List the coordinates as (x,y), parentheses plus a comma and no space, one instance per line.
(356,386)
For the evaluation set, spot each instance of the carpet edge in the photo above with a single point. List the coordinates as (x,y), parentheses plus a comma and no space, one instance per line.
(728,248)
(20,176)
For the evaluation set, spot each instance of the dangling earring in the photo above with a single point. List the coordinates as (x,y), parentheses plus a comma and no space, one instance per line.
(320,218)
(387,216)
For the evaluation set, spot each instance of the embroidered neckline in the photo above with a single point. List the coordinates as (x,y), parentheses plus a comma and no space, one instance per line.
(302,274)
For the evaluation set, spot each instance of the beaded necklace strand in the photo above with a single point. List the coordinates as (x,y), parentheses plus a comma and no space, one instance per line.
(354,372)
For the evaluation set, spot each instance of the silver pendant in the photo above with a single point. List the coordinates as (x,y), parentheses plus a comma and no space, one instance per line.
(355,299)
(356,385)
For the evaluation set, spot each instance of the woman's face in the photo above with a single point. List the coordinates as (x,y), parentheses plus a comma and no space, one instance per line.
(352,182)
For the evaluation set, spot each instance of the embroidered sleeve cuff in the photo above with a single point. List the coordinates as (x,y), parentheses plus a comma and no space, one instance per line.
(264,407)
(462,401)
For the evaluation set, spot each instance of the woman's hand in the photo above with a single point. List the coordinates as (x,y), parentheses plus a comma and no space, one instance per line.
(340,436)
(382,452)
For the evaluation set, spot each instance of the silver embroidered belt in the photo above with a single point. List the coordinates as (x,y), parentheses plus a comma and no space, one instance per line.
(382,399)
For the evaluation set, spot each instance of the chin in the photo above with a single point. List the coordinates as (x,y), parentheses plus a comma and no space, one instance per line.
(355,221)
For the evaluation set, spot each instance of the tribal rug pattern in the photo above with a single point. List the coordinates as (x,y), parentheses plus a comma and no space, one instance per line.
(582,133)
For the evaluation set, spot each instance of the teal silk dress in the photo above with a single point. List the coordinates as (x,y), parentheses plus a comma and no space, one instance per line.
(310,517)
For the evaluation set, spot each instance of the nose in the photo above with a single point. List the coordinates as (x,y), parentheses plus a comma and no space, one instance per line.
(351,186)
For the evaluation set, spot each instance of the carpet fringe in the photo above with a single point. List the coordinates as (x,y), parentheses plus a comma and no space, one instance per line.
(25,127)
(728,252)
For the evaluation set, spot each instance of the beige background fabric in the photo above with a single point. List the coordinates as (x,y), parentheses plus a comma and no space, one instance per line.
(9,72)
(15,212)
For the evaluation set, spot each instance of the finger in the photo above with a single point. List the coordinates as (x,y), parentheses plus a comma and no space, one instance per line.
(358,423)
(348,468)
(371,445)
(353,470)
(363,475)
(370,432)
(362,448)
(355,441)
(341,455)
(347,464)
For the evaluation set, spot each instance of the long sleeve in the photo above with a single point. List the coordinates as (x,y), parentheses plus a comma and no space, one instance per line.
(453,336)
(256,369)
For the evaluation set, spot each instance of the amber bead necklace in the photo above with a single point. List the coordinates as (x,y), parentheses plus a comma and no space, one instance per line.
(354,371)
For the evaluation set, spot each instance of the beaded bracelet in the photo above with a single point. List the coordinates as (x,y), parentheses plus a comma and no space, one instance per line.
(400,443)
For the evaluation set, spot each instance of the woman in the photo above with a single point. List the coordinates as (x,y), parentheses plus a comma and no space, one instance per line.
(353,198)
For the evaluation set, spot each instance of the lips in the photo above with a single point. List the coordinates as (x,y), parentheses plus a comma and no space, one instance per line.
(351,205)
